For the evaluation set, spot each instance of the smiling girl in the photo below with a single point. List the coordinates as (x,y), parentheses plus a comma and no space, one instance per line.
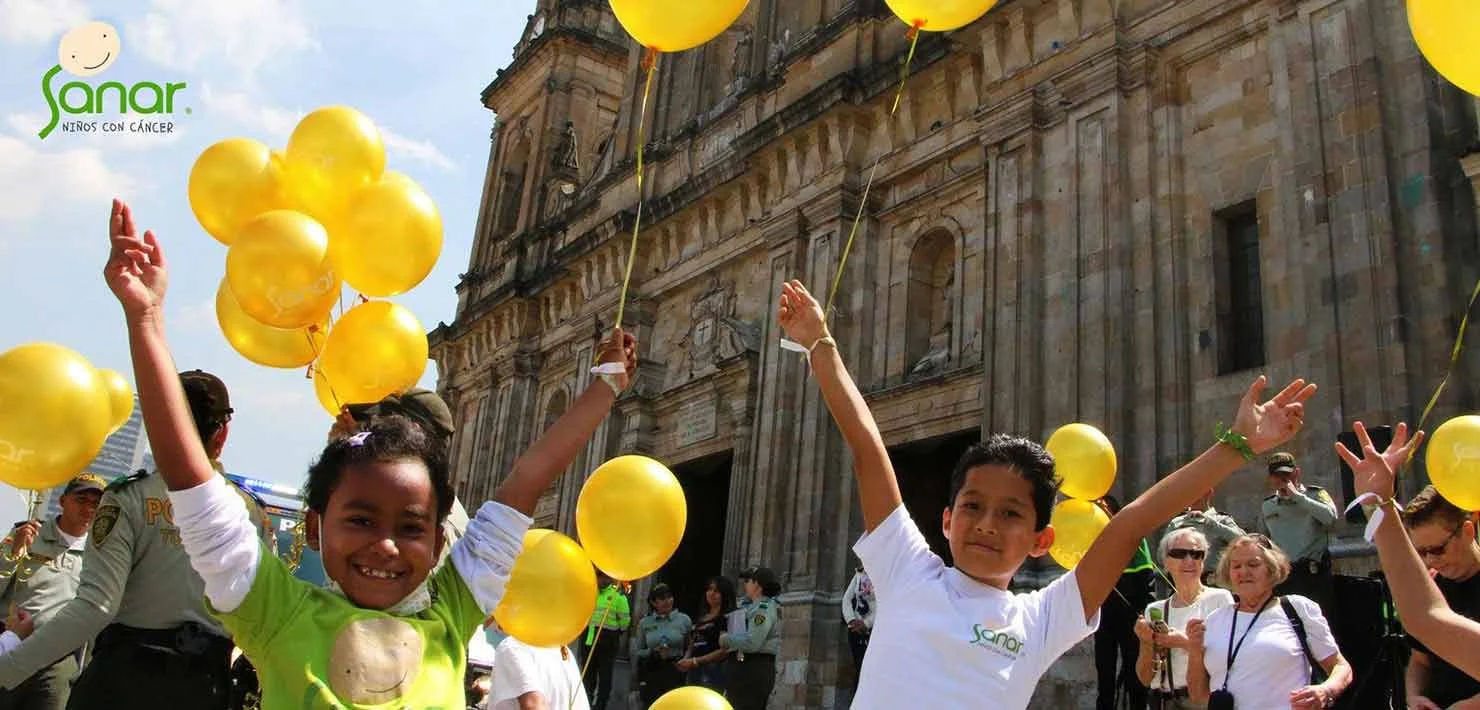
(388,632)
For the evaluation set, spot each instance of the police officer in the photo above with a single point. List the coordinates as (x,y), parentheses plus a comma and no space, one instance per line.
(752,670)
(156,646)
(40,576)
(609,620)
(1299,518)
(660,640)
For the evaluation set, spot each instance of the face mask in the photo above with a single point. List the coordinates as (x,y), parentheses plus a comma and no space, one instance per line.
(419,600)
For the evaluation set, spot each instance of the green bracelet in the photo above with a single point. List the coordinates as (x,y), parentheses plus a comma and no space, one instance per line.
(1236,440)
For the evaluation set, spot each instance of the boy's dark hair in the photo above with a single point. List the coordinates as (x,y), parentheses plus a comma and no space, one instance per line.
(1029,459)
(1430,507)
(388,438)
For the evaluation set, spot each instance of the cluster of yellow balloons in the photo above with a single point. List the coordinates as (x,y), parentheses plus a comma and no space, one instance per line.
(56,410)
(298,226)
(1085,461)
(630,516)
(1447,33)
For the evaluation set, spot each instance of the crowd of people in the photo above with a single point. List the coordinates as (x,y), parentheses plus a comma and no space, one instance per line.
(163,589)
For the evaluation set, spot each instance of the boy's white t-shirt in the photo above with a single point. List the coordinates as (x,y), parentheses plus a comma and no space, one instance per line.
(520,668)
(1211,600)
(944,640)
(1270,662)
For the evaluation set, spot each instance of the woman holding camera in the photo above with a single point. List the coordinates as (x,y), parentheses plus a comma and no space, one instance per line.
(1162,662)
(1265,651)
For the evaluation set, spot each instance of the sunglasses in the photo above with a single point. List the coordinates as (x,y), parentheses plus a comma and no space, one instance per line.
(1439,549)
(1182,554)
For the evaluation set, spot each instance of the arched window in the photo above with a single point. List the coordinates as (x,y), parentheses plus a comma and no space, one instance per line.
(930,303)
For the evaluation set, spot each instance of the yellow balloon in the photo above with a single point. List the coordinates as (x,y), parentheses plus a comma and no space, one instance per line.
(333,152)
(1454,461)
(54,415)
(120,398)
(631,516)
(389,238)
(232,182)
(264,344)
(939,15)
(376,349)
(1084,460)
(691,697)
(1447,33)
(1076,524)
(551,591)
(279,270)
(676,25)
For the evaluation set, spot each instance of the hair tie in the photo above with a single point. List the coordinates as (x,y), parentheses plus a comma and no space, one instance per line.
(358,439)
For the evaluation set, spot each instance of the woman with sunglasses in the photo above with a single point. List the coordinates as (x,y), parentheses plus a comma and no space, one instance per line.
(1162,663)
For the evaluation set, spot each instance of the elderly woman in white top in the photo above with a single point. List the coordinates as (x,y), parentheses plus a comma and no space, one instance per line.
(1264,651)
(1162,663)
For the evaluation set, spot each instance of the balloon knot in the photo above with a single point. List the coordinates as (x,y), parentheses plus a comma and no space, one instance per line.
(915,28)
(649,58)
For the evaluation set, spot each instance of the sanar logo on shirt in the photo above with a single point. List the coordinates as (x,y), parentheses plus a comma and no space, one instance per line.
(999,642)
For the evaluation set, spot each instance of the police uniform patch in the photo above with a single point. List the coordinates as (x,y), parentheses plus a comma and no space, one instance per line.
(758,619)
(103,523)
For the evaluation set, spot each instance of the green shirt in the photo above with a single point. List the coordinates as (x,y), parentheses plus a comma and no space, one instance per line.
(1218,528)
(1300,524)
(316,649)
(611,606)
(42,581)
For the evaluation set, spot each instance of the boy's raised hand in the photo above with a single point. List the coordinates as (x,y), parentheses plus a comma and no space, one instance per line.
(619,346)
(800,315)
(135,270)
(1276,421)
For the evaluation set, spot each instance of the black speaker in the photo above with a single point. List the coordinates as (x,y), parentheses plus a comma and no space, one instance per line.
(1381,437)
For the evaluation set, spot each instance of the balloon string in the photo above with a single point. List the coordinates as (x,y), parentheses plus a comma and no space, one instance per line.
(649,64)
(1459,342)
(904,77)
(591,650)
(313,368)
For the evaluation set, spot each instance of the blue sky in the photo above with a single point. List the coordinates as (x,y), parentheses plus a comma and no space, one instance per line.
(252,69)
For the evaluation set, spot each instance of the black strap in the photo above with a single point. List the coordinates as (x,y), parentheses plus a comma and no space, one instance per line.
(1166,665)
(1299,624)
(1232,649)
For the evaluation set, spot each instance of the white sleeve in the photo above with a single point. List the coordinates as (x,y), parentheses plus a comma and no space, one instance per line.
(897,557)
(1058,611)
(1317,629)
(849,615)
(9,642)
(484,555)
(220,539)
(515,673)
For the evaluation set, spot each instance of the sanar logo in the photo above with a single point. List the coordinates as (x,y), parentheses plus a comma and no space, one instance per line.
(998,641)
(88,51)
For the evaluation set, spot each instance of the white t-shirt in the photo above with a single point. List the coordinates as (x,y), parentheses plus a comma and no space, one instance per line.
(1270,663)
(944,640)
(520,668)
(1211,600)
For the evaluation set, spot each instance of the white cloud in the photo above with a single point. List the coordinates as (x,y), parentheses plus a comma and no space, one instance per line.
(187,35)
(49,180)
(198,317)
(272,123)
(39,21)
(275,124)
(423,151)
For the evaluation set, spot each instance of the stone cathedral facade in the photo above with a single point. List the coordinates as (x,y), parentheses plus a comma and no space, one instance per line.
(1109,211)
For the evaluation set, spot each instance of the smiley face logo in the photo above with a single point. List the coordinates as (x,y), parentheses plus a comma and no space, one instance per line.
(89,49)
(375,660)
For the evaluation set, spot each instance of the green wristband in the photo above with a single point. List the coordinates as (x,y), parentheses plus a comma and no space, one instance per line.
(1236,440)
